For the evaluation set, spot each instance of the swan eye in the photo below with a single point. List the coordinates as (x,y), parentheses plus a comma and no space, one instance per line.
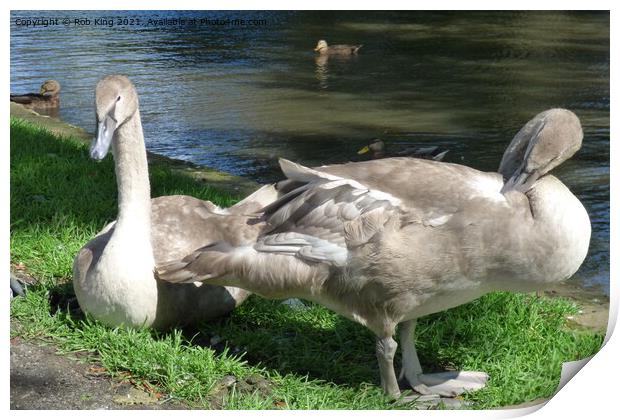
(118,99)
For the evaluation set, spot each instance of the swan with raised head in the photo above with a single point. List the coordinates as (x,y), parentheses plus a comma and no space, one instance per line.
(114,272)
(387,241)
(48,96)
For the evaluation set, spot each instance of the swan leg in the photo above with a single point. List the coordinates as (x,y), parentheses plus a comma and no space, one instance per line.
(445,384)
(385,350)
(411,368)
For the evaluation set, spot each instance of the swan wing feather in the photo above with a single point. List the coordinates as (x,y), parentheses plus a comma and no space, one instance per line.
(321,220)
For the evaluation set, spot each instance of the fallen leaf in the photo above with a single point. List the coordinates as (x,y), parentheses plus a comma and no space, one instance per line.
(96,370)
(19,266)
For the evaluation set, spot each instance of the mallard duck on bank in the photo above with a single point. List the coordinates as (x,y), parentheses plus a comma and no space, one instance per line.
(48,97)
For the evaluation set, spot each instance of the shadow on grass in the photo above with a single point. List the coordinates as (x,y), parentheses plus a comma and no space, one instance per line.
(62,298)
(500,333)
(312,341)
(341,352)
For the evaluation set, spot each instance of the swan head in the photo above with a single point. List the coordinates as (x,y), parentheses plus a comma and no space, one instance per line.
(322,44)
(546,141)
(50,87)
(116,101)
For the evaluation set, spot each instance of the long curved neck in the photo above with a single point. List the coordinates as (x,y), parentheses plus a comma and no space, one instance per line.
(132,178)
(562,226)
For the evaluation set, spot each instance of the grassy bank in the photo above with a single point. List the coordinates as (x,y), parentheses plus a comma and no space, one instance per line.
(307,358)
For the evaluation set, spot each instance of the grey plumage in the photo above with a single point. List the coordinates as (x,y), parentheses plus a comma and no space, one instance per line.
(113,273)
(384,242)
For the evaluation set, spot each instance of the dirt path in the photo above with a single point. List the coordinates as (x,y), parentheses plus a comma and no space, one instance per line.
(43,380)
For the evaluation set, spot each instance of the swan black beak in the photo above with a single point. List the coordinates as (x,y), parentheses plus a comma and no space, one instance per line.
(521,181)
(105,131)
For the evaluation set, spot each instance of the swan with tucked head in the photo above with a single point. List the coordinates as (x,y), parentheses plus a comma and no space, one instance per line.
(113,273)
(387,241)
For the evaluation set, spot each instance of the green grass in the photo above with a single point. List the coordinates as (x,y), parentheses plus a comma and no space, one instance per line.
(313,358)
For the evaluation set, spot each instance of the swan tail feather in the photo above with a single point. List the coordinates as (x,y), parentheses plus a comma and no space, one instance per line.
(205,263)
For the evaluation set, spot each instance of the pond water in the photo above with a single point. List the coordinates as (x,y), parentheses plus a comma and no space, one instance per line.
(236,96)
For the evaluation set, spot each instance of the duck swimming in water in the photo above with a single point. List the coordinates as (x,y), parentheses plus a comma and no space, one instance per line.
(377,149)
(340,49)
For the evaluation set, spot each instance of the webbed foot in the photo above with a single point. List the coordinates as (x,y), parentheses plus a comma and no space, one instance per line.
(447,384)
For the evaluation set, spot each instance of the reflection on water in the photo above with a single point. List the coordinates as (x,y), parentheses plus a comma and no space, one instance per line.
(322,71)
(236,98)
